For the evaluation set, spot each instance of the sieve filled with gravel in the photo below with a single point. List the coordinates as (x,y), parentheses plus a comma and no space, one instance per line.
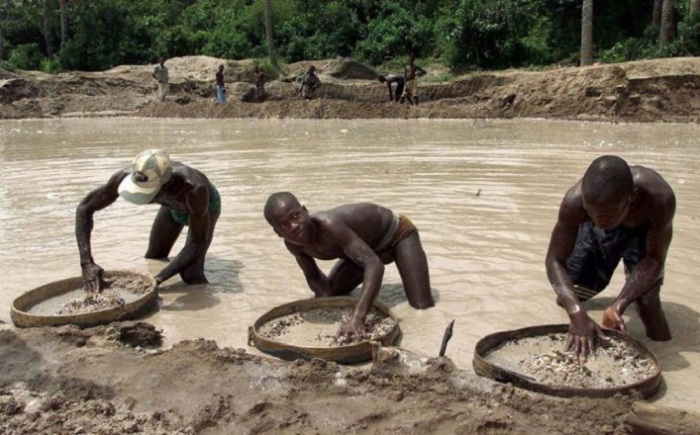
(319,327)
(534,358)
(125,295)
(309,329)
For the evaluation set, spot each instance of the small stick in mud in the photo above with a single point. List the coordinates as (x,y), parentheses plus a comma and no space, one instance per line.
(446,338)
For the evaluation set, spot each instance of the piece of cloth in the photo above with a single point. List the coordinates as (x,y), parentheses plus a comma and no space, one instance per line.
(220,94)
(161,73)
(411,89)
(163,88)
(183,218)
(597,254)
(401,227)
(149,171)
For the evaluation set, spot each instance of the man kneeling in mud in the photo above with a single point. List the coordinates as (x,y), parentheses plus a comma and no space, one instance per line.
(186,197)
(364,237)
(615,212)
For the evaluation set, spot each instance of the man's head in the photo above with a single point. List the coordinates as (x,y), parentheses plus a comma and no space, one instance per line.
(161,61)
(607,189)
(256,69)
(288,218)
(312,68)
(221,67)
(150,170)
(381,79)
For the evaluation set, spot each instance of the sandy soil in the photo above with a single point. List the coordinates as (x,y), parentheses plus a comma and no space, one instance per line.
(653,90)
(114,380)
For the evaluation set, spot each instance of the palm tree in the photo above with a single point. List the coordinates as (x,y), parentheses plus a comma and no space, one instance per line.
(587,33)
(656,14)
(667,22)
(63,4)
(694,7)
(48,37)
(269,31)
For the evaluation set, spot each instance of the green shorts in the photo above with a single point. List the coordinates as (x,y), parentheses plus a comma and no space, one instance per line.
(214,205)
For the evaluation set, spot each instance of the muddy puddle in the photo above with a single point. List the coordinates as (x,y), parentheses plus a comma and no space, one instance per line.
(483,194)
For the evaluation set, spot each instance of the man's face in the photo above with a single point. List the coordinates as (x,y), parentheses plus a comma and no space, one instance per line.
(609,214)
(291,222)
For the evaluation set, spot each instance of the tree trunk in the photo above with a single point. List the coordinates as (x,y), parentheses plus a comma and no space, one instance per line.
(3,18)
(694,7)
(47,28)
(656,14)
(270,33)
(667,22)
(64,21)
(587,33)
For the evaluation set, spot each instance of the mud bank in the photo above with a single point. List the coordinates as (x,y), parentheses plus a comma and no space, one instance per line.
(114,380)
(643,91)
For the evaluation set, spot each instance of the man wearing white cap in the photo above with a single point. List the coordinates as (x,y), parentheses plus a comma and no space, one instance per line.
(186,197)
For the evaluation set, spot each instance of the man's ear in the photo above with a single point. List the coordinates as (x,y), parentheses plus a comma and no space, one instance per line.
(303,207)
(276,232)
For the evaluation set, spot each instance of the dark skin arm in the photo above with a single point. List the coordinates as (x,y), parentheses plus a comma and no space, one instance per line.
(359,252)
(649,270)
(197,203)
(582,329)
(96,200)
(315,278)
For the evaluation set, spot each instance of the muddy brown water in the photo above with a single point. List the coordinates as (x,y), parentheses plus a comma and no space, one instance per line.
(484,195)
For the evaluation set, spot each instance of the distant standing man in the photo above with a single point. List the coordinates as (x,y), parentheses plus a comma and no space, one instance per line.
(310,83)
(186,198)
(160,73)
(410,75)
(220,86)
(363,237)
(389,81)
(615,212)
(260,79)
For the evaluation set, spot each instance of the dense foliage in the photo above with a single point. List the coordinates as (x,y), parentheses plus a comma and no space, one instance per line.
(464,34)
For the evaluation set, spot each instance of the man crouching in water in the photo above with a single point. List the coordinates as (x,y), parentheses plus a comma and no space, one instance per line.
(615,212)
(364,237)
(186,197)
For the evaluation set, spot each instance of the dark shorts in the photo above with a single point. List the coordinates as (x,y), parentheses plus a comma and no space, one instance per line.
(214,205)
(597,254)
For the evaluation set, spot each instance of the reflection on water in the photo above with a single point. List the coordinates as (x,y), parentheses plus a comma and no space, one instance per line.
(484,196)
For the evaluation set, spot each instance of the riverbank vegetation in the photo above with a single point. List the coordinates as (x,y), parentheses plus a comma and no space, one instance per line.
(95,35)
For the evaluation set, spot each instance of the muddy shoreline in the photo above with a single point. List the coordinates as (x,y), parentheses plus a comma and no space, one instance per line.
(115,379)
(660,90)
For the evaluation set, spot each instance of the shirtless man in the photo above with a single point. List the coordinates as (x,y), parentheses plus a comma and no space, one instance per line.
(186,197)
(364,237)
(410,75)
(389,80)
(615,212)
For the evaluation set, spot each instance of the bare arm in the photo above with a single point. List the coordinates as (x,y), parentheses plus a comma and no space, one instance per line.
(317,280)
(361,254)
(197,201)
(96,200)
(649,270)
(582,329)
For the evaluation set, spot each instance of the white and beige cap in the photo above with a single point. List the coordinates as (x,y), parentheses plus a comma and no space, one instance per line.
(151,169)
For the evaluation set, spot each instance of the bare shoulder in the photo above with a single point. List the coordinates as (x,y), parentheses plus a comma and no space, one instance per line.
(571,209)
(651,182)
(658,196)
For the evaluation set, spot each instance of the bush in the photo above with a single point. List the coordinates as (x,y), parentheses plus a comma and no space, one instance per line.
(26,56)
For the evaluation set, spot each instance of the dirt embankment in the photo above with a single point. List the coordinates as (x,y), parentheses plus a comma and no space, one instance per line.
(114,380)
(648,91)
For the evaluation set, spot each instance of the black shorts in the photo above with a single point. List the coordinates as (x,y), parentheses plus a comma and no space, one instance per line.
(597,254)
